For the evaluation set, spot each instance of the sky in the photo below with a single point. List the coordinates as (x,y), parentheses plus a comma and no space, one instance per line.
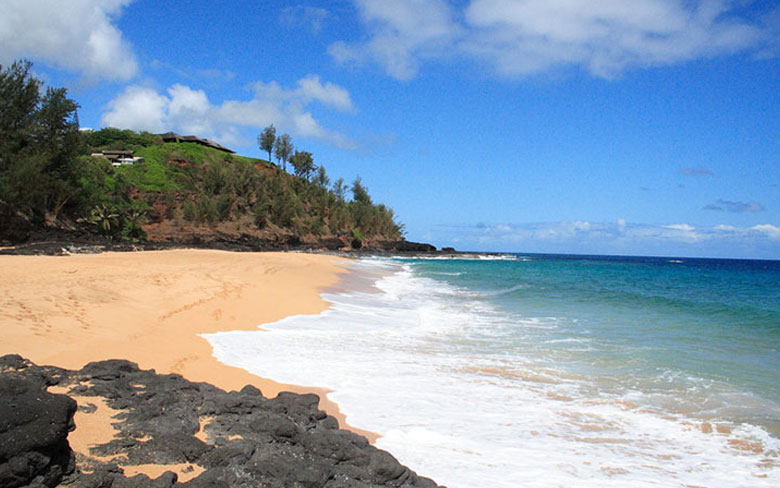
(643,127)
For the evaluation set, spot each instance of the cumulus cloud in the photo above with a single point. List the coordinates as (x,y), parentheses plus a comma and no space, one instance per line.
(77,35)
(603,37)
(768,230)
(566,231)
(521,37)
(189,109)
(620,237)
(735,207)
(403,34)
(184,109)
(309,89)
(137,108)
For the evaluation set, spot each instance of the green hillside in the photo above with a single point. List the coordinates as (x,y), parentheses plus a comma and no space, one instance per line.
(199,185)
(179,191)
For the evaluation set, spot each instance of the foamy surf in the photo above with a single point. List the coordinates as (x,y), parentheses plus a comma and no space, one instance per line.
(464,392)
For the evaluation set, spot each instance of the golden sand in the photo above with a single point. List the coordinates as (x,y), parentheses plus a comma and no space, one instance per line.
(149,308)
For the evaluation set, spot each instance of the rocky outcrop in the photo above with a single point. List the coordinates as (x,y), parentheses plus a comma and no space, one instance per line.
(52,241)
(247,440)
(34,428)
(400,246)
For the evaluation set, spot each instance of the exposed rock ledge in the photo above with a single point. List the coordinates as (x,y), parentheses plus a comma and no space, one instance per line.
(236,439)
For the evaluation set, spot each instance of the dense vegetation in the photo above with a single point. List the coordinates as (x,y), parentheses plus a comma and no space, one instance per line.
(47,177)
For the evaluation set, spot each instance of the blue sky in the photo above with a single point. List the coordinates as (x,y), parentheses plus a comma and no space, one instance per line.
(646,127)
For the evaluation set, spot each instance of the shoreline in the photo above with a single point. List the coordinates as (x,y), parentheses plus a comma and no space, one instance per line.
(151,307)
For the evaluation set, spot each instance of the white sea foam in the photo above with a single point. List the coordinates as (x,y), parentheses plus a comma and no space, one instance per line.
(466,256)
(459,392)
(505,291)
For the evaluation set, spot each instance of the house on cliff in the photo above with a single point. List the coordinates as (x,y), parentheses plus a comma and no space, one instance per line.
(174,137)
(117,157)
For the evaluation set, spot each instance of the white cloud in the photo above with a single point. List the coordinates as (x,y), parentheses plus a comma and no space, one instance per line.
(772,22)
(77,35)
(622,237)
(680,227)
(674,232)
(138,108)
(520,37)
(604,37)
(186,110)
(549,232)
(309,89)
(403,33)
(313,17)
(769,230)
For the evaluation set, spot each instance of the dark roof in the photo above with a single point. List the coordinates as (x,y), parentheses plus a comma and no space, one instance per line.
(174,137)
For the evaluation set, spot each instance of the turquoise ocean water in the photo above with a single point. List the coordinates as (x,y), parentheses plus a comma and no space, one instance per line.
(537,370)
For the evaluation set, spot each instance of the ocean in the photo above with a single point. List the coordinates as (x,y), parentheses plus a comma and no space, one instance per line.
(547,370)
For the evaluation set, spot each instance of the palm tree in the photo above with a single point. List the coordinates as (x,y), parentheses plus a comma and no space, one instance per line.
(136,218)
(103,217)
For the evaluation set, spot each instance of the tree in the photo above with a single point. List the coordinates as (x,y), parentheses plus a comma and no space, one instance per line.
(303,163)
(19,98)
(134,219)
(322,178)
(104,218)
(267,140)
(340,189)
(39,141)
(284,148)
(360,193)
(113,138)
(59,138)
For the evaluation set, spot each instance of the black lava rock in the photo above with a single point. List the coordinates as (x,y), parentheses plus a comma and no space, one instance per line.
(284,442)
(34,429)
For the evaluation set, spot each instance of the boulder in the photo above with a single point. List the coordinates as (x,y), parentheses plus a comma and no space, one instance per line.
(34,426)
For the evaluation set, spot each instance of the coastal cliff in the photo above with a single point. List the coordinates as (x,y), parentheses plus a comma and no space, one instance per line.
(208,436)
(58,241)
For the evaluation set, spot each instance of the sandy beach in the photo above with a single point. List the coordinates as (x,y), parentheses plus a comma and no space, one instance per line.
(149,308)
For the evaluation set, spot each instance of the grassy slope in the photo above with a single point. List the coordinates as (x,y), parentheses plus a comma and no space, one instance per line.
(155,174)
(185,185)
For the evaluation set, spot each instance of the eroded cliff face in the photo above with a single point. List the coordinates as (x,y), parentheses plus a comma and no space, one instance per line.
(52,241)
(177,432)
